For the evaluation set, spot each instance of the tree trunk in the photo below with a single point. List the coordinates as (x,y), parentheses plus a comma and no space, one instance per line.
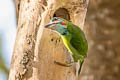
(37,48)
(103,25)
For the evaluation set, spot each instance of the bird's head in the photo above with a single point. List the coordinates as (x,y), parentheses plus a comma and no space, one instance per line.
(57,24)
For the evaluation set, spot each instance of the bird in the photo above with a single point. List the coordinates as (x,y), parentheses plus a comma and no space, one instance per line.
(73,38)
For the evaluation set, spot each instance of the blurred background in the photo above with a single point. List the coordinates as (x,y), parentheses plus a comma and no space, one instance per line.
(102,27)
(7,35)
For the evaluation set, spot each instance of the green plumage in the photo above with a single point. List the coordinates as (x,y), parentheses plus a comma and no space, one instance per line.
(76,43)
(78,40)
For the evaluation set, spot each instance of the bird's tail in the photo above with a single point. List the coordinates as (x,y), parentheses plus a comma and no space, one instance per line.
(81,63)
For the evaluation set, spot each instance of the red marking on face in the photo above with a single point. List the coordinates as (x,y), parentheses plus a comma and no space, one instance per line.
(63,23)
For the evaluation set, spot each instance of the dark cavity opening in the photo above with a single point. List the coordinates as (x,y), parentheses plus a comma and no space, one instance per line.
(45,2)
(63,13)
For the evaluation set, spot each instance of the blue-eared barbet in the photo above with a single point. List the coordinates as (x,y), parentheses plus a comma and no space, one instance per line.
(73,38)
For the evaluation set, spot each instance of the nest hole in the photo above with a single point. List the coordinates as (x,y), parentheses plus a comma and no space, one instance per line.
(45,2)
(62,13)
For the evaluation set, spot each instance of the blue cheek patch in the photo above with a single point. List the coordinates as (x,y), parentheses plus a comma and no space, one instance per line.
(62,30)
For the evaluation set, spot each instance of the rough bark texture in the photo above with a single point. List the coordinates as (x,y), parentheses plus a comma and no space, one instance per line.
(37,48)
(103,26)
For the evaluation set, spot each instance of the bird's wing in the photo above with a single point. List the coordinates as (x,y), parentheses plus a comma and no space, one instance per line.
(78,39)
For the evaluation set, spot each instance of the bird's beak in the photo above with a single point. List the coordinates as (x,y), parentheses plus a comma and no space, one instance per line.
(51,24)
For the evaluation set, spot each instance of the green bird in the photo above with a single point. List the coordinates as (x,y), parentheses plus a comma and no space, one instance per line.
(73,38)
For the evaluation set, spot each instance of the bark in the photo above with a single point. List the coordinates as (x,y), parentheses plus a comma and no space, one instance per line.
(37,48)
(103,26)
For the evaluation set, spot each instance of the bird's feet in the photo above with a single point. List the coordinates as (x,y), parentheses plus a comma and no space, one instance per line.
(67,64)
